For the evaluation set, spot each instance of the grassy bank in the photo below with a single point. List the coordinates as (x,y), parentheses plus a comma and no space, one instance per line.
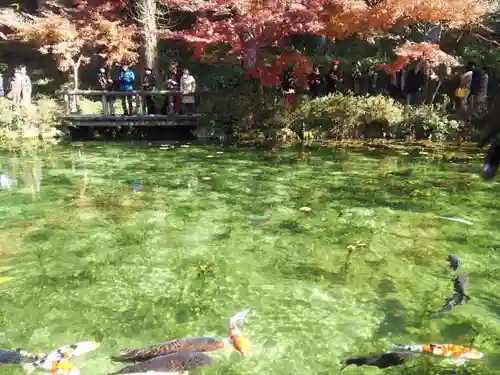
(351,258)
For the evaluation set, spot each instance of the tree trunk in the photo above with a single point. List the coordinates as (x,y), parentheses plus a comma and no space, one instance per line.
(76,82)
(146,18)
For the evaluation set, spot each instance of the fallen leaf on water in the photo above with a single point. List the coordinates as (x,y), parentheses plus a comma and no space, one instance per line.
(5,279)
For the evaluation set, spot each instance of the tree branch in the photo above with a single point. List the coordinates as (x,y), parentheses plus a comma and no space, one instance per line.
(486,39)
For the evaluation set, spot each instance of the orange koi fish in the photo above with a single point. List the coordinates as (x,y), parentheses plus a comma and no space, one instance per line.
(236,339)
(457,353)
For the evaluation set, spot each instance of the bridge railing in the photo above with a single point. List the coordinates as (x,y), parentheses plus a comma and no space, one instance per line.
(167,102)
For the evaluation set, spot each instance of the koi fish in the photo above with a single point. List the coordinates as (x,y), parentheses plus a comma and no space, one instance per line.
(189,344)
(457,219)
(56,362)
(173,363)
(457,353)
(454,262)
(383,360)
(458,298)
(17,356)
(193,344)
(236,338)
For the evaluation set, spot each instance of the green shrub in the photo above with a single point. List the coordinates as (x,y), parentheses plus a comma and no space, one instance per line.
(428,122)
(29,127)
(345,116)
(245,110)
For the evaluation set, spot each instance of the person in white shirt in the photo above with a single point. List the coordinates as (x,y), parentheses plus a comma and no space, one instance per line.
(187,87)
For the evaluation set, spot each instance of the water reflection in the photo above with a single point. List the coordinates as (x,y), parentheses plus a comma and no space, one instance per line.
(6,181)
(22,174)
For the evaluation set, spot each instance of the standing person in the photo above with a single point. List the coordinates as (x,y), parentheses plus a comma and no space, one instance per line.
(333,78)
(463,90)
(171,103)
(1,85)
(315,82)
(356,78)
(371,79)
(149,84)
(27,89)
(188,88)
(479,91)
(126,80)
(288,88)
(106,84)
(16,88)
(414,84)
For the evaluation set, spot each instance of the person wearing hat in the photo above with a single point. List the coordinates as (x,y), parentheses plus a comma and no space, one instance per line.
(126,80)
(148,84)
(333,78)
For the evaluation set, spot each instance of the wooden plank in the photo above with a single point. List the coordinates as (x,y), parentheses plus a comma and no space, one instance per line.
(136,125)
(130,121)
(130,118)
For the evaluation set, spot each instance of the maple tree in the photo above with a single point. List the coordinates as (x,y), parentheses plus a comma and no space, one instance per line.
(256,31)
(73,35)
(428,53)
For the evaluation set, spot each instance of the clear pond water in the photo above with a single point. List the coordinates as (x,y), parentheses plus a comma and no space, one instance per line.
(337,253)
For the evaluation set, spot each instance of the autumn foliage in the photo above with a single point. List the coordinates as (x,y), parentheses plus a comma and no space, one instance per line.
(428,53)
(350,17)
(73,36)
(256,32)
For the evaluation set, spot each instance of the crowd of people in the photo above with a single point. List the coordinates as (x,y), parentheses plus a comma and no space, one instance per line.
(407,86)
(180,81)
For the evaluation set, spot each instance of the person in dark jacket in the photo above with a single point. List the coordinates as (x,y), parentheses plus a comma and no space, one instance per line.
(288,89)
(479,91)
(356,78)
(172,103)
(148,84)
(315,82)
(414,85)
(333,78)
(106,84)
(371,79)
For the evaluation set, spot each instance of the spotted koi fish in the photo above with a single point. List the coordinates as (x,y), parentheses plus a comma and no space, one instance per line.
(56,362)
(189,344)
(457,353)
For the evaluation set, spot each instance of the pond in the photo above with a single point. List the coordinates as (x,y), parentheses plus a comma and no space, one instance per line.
(337,253)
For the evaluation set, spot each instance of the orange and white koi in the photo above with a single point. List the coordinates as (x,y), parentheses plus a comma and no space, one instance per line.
(236,339)
(457,353)
(56,362)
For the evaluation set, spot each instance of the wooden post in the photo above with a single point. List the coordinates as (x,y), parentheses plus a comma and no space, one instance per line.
(104,100)
(139,99)
(67,107)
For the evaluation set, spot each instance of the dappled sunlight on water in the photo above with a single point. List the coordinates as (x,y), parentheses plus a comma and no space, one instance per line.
(336,253)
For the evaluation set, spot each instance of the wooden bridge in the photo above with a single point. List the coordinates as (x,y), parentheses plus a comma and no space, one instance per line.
(107,113)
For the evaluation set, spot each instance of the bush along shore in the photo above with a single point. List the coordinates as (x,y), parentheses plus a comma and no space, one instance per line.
(30,127)
(333,117)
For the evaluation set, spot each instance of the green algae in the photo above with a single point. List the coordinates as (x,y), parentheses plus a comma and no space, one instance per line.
(350,258)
